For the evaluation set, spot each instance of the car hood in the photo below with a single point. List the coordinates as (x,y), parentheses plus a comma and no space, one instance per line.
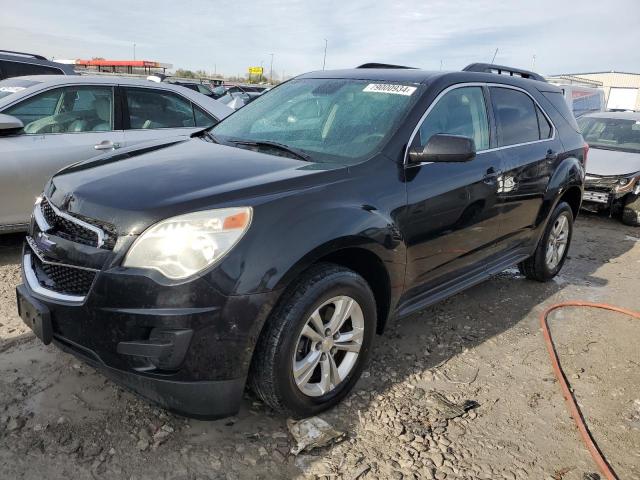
(612,162)
(142,187)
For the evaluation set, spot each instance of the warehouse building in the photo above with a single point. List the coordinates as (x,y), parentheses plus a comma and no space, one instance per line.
(621,89)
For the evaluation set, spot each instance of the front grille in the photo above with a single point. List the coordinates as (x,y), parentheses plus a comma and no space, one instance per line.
(62,279)
(74,232)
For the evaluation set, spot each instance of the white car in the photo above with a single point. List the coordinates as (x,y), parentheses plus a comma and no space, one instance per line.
(612,182)
(50,121)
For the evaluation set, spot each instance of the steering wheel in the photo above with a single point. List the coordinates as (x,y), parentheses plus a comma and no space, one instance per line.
(42,125)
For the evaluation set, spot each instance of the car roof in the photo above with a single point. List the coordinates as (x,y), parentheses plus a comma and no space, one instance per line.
(407,75)
(417,76)
(33,59)
(218,109)
(620,115)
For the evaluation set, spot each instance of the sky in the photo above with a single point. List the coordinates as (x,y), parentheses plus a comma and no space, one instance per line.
(228,37)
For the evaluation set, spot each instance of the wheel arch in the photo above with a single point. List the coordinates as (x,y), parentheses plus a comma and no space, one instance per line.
(566,183)
(381,269)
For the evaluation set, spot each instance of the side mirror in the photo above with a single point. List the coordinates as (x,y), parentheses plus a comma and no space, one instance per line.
(444,148)
(9,124)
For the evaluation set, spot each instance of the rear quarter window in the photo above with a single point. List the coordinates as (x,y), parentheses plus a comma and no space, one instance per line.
(560,104)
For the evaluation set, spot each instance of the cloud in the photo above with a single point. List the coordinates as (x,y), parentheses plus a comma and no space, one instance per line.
(564,36)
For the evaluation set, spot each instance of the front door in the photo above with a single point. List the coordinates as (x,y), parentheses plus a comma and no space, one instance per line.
(61,126)
(451,221)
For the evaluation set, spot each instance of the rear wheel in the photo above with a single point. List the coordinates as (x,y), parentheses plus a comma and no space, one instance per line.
(631,211)
(316,343)
(552,249)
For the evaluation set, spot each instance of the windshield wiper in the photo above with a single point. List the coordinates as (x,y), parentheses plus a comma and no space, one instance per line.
(205,133)
(279,146)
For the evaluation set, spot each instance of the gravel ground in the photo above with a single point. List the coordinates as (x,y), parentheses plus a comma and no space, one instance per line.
(61,419)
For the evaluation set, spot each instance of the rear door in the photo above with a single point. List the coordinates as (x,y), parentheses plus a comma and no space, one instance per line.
(529,147)
(61,126)
(152,114)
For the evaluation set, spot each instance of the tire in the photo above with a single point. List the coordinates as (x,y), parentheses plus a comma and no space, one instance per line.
(537,267)
(271,375)
(631,211)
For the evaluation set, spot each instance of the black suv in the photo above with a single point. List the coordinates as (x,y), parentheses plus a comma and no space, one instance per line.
(18,64)
(270,249)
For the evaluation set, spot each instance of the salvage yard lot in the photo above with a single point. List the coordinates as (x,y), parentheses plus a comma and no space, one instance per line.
(61,419)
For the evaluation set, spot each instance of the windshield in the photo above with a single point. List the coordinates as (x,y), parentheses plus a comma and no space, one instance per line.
(330,120)
(14,85)
(611,133)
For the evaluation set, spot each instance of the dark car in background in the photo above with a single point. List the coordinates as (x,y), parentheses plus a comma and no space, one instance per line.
(270,249)
(18,64)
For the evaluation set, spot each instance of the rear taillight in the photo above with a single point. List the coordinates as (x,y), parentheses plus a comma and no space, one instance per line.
(585,149)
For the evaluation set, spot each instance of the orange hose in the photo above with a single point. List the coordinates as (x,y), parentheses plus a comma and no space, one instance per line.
(595,452)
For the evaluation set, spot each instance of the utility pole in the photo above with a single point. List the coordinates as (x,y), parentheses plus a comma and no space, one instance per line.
(324,62)
(533,63)
(271,71)
(440,64)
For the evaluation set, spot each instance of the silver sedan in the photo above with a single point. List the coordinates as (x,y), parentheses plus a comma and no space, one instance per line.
(50,121)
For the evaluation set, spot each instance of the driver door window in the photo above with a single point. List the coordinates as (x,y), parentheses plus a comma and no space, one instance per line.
(459,112)
(74,109)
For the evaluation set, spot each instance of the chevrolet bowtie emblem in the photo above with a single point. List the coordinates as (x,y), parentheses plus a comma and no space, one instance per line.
(44,243)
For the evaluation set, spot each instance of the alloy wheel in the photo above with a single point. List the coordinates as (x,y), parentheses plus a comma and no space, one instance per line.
(557,242)
(328,346)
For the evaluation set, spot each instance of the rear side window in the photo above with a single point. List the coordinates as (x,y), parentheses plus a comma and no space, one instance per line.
(149,108)
(19,69)
(516,117)
(546,130)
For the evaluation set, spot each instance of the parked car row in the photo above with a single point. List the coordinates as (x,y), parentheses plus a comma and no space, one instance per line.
(48,122)
(268,249)
(17,64)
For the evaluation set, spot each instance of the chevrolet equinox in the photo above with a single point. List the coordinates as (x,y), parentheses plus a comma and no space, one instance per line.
(269,250)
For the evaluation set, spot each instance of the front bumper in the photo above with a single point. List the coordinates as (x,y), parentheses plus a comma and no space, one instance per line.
(602,192)
(185,347)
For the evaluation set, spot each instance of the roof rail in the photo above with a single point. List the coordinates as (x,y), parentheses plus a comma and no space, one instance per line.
(382,65)
(33,55)
(502,70)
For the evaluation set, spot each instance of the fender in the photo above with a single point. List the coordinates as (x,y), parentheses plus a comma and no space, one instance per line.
(318,234)
(569,173)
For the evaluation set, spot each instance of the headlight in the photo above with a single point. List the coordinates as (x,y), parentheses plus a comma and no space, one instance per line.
(625,183)
(181,246)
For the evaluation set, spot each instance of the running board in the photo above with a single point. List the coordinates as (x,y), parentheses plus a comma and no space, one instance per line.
(456,285)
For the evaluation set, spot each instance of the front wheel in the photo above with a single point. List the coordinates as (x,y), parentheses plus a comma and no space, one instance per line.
(631,211)
(316,343)
(549,256)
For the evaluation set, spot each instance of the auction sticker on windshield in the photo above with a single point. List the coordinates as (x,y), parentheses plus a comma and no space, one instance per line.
(389,88)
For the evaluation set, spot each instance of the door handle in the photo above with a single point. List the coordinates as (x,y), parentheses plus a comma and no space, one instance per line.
(106,145)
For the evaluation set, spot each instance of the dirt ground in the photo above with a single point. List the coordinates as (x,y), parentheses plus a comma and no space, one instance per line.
(59,419)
